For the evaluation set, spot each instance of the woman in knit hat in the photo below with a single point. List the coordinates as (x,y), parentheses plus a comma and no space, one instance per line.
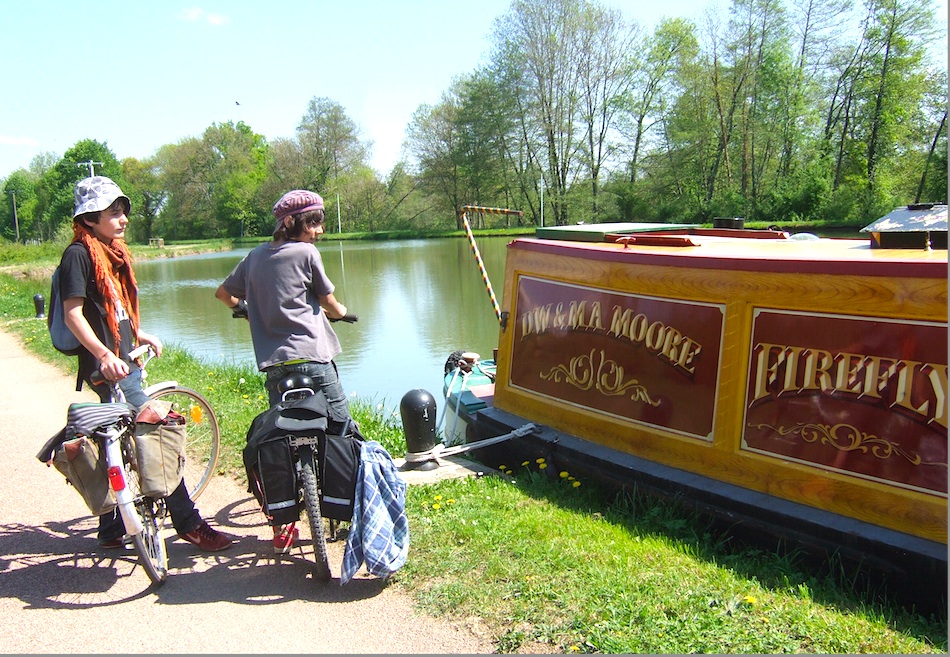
(288,299)
(101,308)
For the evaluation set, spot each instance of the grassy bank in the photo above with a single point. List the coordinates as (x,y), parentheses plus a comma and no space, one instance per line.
(542,562)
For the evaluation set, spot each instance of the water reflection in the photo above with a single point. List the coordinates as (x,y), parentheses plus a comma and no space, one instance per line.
(417,300)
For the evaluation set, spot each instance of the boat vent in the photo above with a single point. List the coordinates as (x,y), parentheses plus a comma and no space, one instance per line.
(920,226)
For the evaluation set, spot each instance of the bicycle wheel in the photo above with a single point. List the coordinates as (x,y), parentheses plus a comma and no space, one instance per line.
(204,435)
(149,543)
(308,475)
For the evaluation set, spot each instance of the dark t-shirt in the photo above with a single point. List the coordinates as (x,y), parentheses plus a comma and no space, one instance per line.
(77,280)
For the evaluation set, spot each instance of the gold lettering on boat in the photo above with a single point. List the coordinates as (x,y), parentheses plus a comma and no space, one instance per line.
(917,388)
(665,342)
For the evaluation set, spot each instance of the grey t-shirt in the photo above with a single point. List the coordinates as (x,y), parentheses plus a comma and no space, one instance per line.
(281,284)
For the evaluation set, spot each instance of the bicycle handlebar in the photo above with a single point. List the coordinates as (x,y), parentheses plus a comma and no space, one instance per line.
(239,311)
(96,377)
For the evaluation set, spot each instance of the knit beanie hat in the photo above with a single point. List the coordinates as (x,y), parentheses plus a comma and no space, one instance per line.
(295,202)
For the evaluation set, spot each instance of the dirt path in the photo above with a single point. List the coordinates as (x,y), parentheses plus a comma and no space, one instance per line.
(238,601)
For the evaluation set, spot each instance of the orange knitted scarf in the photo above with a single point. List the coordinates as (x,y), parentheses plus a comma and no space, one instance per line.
(115,280)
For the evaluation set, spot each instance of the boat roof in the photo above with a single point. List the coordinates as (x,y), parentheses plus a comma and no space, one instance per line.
(913,218)
(682,245)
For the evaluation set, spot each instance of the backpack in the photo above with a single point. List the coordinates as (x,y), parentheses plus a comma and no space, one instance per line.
(62,338)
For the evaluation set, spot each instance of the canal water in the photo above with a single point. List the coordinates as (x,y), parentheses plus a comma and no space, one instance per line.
(417,302)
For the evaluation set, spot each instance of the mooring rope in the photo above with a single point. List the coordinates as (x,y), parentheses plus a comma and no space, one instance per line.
(441,451)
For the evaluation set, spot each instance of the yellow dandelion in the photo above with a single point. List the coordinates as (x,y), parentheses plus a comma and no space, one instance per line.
(542,466)
(524,463)
(437,497)
(451,500)
(749,600)
(539,460)
(564,474)
(436,506)
(502,467)
(576,484)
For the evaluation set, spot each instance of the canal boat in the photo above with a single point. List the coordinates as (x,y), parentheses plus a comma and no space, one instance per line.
(789,385)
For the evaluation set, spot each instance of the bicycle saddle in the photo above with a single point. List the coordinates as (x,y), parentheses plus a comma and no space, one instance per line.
(86,417)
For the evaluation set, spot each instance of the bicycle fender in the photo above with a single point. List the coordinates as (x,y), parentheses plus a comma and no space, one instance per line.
(156,387)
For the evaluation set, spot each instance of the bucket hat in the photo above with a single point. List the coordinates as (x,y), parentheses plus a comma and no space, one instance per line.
(295,202)
(95,194)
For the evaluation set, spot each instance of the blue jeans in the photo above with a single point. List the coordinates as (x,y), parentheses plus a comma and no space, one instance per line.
(180,507)
(324,375)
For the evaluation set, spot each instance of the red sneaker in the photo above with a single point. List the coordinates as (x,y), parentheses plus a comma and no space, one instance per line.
(284,537)
(206,538)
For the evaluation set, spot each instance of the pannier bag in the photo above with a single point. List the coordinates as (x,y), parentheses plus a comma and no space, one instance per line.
(160,435)
(339,458)
(268,460)
(80,462)
(277,479)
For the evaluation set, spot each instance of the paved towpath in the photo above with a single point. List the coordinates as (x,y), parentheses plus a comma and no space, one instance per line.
(59,594)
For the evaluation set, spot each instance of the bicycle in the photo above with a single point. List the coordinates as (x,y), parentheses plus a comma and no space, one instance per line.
(303,449)
(301,429)
(112,426)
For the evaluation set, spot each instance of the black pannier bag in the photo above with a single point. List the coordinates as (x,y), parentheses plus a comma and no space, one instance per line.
(271,474)
(277,478)
(339,459)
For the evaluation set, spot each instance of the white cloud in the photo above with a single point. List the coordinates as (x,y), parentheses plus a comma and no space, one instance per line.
(7,140)
(195,14)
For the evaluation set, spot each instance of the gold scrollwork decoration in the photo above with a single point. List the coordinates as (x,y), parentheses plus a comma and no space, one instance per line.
(595,370)
(848,438)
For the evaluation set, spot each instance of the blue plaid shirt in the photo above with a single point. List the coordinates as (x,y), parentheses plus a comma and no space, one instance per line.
(379,532)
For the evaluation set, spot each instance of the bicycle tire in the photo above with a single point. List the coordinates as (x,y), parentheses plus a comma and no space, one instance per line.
(308,476)
(203,445)
(149,543)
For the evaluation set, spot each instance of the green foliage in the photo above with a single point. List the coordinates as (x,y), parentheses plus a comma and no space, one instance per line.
(580,115)
(547,563)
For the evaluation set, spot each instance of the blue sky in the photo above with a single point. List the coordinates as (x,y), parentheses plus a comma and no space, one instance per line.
(138,75)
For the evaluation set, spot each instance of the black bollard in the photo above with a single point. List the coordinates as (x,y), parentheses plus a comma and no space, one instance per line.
(40,304)
(418,410)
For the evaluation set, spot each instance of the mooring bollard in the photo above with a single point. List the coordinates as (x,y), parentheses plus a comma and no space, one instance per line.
(40,304)
(418,410)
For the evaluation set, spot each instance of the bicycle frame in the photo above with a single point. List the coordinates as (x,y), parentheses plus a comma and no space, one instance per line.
(116,471)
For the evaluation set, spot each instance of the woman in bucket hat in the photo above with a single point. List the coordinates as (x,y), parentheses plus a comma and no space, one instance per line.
(289,300)
(101,308)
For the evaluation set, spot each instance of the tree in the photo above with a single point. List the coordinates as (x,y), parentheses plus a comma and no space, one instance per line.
(329,142)
(894,89)
(19,191)
(212,183)
(537,43)
(434,139)
(149,195)
(605,75)
(56,187)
